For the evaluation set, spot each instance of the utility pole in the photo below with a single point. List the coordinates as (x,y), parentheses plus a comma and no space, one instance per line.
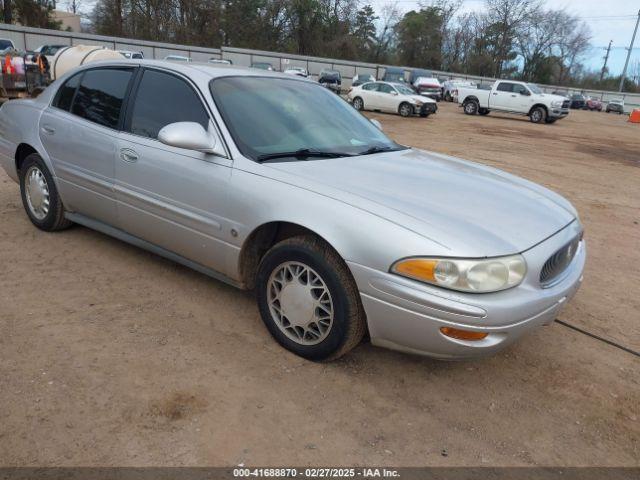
(606,57)
(626,63)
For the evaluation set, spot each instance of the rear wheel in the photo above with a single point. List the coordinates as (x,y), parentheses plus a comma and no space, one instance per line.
(538,115)
(40,196)
(405,110)
(358,104)
(308,299)
(470,107)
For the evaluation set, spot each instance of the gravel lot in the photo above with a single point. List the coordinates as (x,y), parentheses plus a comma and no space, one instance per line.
(114,356)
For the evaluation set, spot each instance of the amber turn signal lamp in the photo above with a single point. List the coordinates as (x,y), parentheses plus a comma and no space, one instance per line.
(462,334)
(417,268)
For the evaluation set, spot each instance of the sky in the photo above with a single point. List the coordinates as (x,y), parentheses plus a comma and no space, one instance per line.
(607,19)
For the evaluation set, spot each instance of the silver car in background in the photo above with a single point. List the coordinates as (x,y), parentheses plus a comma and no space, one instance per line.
(270,182)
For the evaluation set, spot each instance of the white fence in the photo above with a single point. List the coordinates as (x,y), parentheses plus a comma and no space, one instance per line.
(26,38)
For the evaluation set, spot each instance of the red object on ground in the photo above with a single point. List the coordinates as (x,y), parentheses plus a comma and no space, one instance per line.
(635,116)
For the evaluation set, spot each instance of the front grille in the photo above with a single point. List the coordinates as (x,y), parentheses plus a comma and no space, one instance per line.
(566,104)
(559,261)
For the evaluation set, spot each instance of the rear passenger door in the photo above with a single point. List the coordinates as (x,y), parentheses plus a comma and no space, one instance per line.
(502,97)
(79,133)
(172,197)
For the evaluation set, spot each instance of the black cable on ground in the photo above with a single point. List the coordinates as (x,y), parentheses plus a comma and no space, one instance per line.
(597,337)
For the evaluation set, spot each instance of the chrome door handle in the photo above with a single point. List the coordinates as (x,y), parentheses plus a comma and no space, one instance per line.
(128,155)
(48,130)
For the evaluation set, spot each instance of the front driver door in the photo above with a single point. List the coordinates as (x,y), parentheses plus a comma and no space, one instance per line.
(171,197)
(388,98)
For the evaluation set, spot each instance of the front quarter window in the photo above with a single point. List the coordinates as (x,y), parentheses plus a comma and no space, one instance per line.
(273,115)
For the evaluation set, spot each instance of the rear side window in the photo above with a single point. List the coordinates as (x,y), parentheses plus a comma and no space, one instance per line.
(162,99)
(65,94)
(505,87)
(100,95)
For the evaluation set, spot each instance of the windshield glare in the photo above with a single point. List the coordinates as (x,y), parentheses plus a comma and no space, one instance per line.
(404,89)
(275,115)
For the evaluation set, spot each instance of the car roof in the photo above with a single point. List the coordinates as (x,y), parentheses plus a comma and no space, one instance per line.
(209,70)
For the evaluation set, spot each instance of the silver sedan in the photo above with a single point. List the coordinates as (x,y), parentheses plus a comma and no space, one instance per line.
(270,182)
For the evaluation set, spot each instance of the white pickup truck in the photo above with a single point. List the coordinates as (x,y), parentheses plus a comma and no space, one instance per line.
(514,97)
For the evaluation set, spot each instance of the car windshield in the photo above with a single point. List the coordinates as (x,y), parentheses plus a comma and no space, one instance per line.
(577,97)
(4,44)
(270,116)
(534,88)
(403,89)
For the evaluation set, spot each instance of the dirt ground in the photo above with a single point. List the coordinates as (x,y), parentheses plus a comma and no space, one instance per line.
(110,355)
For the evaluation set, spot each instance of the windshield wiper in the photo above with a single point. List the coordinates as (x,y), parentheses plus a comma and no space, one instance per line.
(302,153)
(377,149)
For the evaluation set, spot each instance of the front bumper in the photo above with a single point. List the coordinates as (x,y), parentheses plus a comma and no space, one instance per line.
(558,112)
(428,108)
(406,315)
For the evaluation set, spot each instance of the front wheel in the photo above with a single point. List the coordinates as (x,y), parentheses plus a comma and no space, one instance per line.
(470,107)
(358,104)
(538,115)
(40,196)
(405,110)
(308,299)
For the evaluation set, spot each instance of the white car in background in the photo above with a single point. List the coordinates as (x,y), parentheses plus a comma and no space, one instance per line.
(299,71)
(221,61)
(391,97)
(177,58)
(428,87)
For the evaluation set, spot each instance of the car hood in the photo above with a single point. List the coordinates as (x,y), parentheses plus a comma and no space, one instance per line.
(419,98)
(468,209)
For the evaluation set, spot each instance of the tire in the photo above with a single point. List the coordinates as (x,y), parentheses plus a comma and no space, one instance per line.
(405,110)
(483,111)
(358,104)
(316,263)
(470,107)
(37,188)
(538,115)
(447,97)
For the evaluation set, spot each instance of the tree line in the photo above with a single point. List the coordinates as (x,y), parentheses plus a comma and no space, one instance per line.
(520,39)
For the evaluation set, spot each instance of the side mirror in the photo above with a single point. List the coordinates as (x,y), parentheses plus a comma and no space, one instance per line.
(191,136)
(376,123)
(393,92)
(526,93)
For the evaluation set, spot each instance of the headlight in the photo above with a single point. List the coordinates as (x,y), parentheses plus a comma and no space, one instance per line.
(556,103)
(485,275)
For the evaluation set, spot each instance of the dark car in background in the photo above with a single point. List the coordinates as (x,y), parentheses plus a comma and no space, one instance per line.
(578,101)
(394,75)
(331,79)
(362,78)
